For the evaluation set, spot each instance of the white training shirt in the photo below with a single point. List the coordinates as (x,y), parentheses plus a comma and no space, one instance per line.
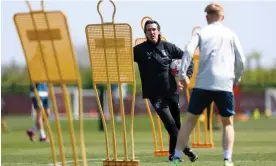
(221,60)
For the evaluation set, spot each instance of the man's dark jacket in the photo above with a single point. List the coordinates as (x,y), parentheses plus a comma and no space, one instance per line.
(154,65)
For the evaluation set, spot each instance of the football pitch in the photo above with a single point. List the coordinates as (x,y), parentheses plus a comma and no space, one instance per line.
(255,144)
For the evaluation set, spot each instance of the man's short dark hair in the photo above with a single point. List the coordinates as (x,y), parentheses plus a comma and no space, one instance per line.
(151,22)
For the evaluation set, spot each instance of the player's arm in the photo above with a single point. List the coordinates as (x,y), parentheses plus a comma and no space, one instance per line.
(239,60)
(135,54)
(177,53)
(190,70)
(187,57)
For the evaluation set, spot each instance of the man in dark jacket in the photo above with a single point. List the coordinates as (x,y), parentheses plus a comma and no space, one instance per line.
(154,57)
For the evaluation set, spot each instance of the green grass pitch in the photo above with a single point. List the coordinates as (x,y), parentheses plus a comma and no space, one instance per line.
(255,144)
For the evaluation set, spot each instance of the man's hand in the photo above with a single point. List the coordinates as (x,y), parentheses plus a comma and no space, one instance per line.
(183,84)
(235,85)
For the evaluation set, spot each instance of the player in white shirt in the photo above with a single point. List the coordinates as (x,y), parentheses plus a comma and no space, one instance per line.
(220,68)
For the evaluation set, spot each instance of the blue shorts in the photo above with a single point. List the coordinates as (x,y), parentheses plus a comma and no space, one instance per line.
(201,98)
(44,100)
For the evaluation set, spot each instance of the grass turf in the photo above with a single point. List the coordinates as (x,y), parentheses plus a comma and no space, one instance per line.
(255,144)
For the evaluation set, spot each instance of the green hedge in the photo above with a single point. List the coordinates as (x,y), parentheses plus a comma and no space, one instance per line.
(16,79)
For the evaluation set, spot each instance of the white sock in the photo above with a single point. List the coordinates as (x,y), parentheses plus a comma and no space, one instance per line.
(177,153)
(34,128)
(228,155)
(42,134)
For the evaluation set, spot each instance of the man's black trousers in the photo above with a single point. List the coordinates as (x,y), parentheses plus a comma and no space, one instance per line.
(169,112)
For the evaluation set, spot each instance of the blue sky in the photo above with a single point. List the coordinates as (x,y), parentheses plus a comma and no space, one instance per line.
(253,21)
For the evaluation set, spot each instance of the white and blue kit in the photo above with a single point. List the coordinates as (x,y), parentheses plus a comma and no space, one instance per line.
(42,89)
(221,65)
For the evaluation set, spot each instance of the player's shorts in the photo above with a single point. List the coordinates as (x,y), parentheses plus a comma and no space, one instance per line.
(201,98)
(116,94)
(45,102)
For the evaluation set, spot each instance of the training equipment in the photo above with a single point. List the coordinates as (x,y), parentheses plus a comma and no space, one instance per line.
(204,119)
(268,113)
(111,59)
(49,55)
(161,150)
(175,66)
(256,114)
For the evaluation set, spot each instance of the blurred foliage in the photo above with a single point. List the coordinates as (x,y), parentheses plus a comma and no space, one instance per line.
(259,76)
(15,79)
(86,77)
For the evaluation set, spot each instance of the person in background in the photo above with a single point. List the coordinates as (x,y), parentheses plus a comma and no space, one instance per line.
(42,89)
